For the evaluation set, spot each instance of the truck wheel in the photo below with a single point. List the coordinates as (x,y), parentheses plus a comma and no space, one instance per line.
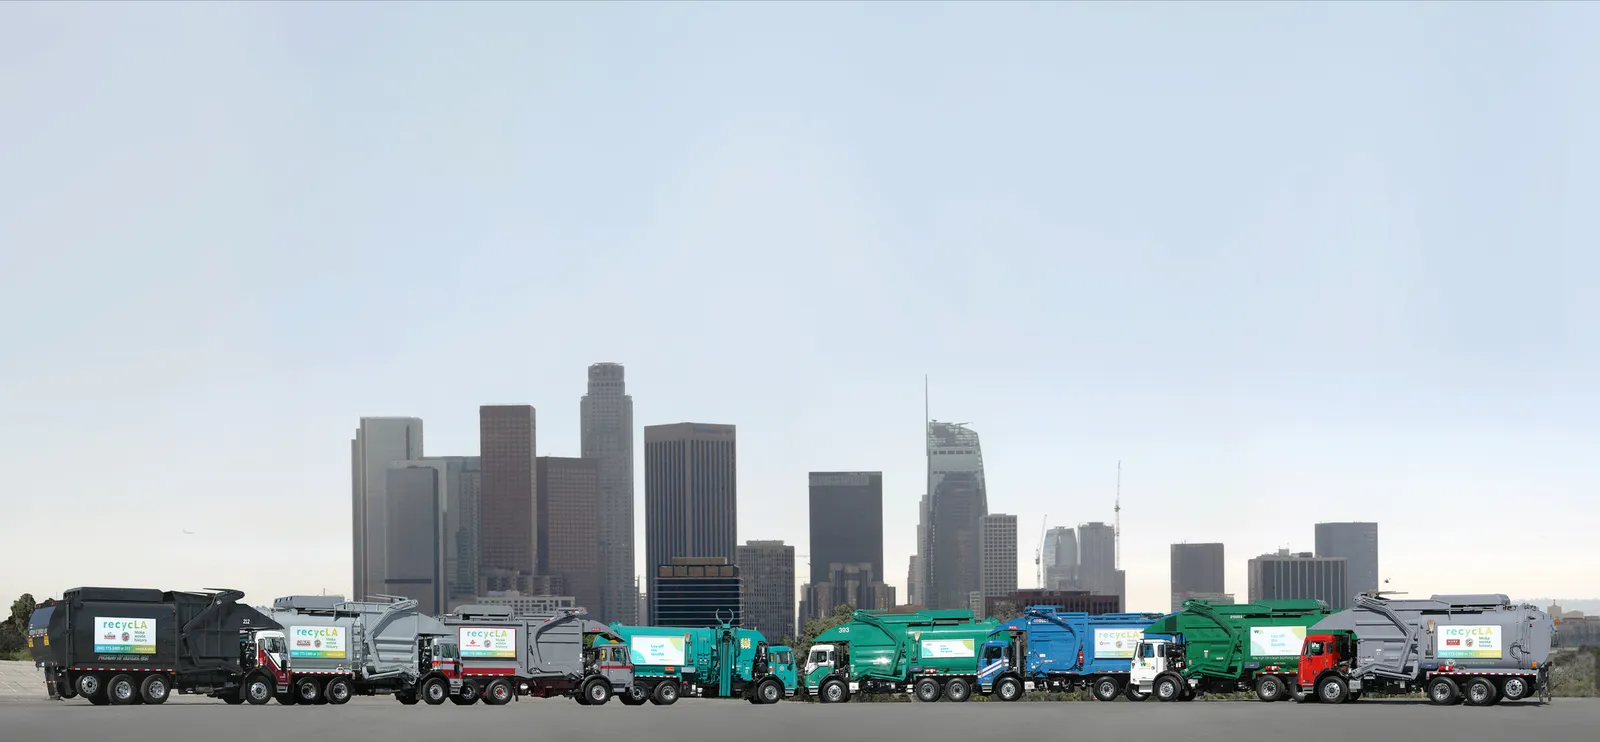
(1168,689)
(1514,689)
(66,689)
(1442,691)
(1134,694)
(597,692)
(957,690)
(154,690)
(258,689)
(769,692)
(121,690)
(337,691)
(88,685)
(467,696)
(1332,690)
(666,693)
(635,695)
(1479,692)
(833,691)
(1269,688)
(306,691)
(498,693)
(1008,689)
(1105,689)
(435,691)
(928,690)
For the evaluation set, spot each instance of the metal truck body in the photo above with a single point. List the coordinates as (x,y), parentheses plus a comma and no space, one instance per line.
(875,651)
(1047,649)
(127,645)
(719,662)
(1224,648)
(1479,649)
(506,656)
(330,649)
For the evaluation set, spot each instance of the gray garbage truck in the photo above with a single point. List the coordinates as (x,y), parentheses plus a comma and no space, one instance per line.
(118,646)
(328,650)
(505,656)
(1476,649)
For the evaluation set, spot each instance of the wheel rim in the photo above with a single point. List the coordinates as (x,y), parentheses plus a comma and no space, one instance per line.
(89,685)
(1330,691)
(669,692)
(308,691)
(1514,688)
(469,690)
(1107,689)
(124,690)
(769,692)
(337,691)
(500,693)
(1167,689)
(1478,693)
(1440,692)
(258,690)
(834,692)
(596,692)
(1270,688)
(157,688)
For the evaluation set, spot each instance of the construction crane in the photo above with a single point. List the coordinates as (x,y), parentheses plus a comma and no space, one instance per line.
(1038,554)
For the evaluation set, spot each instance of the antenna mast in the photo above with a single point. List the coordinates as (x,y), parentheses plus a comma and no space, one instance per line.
(1118,511)
(1038,554)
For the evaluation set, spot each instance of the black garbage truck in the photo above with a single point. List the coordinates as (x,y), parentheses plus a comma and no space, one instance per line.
(120,646)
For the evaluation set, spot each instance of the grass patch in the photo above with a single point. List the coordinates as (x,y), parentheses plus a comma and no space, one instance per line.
(20,655)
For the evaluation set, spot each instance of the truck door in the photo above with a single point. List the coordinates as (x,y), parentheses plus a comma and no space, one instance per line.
(993,662)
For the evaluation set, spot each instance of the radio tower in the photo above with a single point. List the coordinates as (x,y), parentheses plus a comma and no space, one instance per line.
(1118,511)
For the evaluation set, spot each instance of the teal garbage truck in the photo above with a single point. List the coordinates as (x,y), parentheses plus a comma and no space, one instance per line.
(724,661)
(879,652)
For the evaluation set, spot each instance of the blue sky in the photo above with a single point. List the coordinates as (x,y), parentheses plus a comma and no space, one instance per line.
(1288,262)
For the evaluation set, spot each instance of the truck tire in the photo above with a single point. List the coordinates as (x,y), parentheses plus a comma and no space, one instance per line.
(337,691)
(1332,689)
(928,690)
(66,689)
(597,691)
(1269,688)
(89,686)
(498,693)
(468,695)
(636,695)
(1515,688)
(1134,694)
(307,691)
(1442,691)
(1008,689)
(1169,688)
(666,693)
(957,690)
(834,691)
(435,691)
(769,692)
(1479,692)
(1105,688)
(155,689)
(120,690)
(258,689)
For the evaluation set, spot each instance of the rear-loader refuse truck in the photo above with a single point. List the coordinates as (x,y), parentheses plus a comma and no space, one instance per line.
(120,646)
(1049,650)
(1477,649)
(330,649)
(1225,648)
(874,652)
(724,661)
(506,656)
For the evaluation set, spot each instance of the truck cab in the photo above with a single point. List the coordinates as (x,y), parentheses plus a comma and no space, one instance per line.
(610,664)
(826,661)
(1157,669)
(780,661)
(999,668)
(1323,656)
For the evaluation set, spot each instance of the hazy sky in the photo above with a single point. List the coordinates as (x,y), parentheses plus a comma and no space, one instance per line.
(1288,262)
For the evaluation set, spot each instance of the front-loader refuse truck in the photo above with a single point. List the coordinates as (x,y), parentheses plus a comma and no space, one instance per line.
(1224,648)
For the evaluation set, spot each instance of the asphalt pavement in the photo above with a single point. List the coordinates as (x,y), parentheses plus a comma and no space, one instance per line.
(700,720)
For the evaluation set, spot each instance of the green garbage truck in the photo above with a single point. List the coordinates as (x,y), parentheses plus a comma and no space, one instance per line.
(932,652)
(1224,648)
(724,661)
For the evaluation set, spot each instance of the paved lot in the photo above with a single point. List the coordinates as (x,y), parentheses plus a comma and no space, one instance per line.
(20,679)
(182,719)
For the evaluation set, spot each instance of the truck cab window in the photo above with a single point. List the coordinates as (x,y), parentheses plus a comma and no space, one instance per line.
(1147,650)
(1314,648)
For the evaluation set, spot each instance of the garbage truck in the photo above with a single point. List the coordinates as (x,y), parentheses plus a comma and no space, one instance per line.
(724,661)
(118,646)
(1224,648)
(1476,649)
(1047,649)
(328,650)
(506,656)
(874,652)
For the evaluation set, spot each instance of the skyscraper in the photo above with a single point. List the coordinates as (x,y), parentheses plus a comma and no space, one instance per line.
(415,535)
(1097,559)
(1196,570)
(766,570)
(1060,559)
(1358,544)
(917,581)
(569,525)
(379,442)
(998,544)
(690,498)
(607,415)
(456,488)
(508,503)
(696,592)
(957,500)
(846,521)
(1301,576)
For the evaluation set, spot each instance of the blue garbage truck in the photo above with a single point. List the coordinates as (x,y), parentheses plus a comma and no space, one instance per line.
(1046,649)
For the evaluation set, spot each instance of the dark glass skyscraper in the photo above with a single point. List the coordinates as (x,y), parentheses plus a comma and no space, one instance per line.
(1358,544)
(957,501)
(508,499)
(690,497)
(846,521)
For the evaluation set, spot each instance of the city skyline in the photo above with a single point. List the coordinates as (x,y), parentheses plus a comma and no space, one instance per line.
(1267,298)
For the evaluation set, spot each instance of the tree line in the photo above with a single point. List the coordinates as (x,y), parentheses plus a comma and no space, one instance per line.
(14,629)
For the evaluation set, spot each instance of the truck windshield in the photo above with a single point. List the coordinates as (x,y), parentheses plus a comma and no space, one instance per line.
(1147,650)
